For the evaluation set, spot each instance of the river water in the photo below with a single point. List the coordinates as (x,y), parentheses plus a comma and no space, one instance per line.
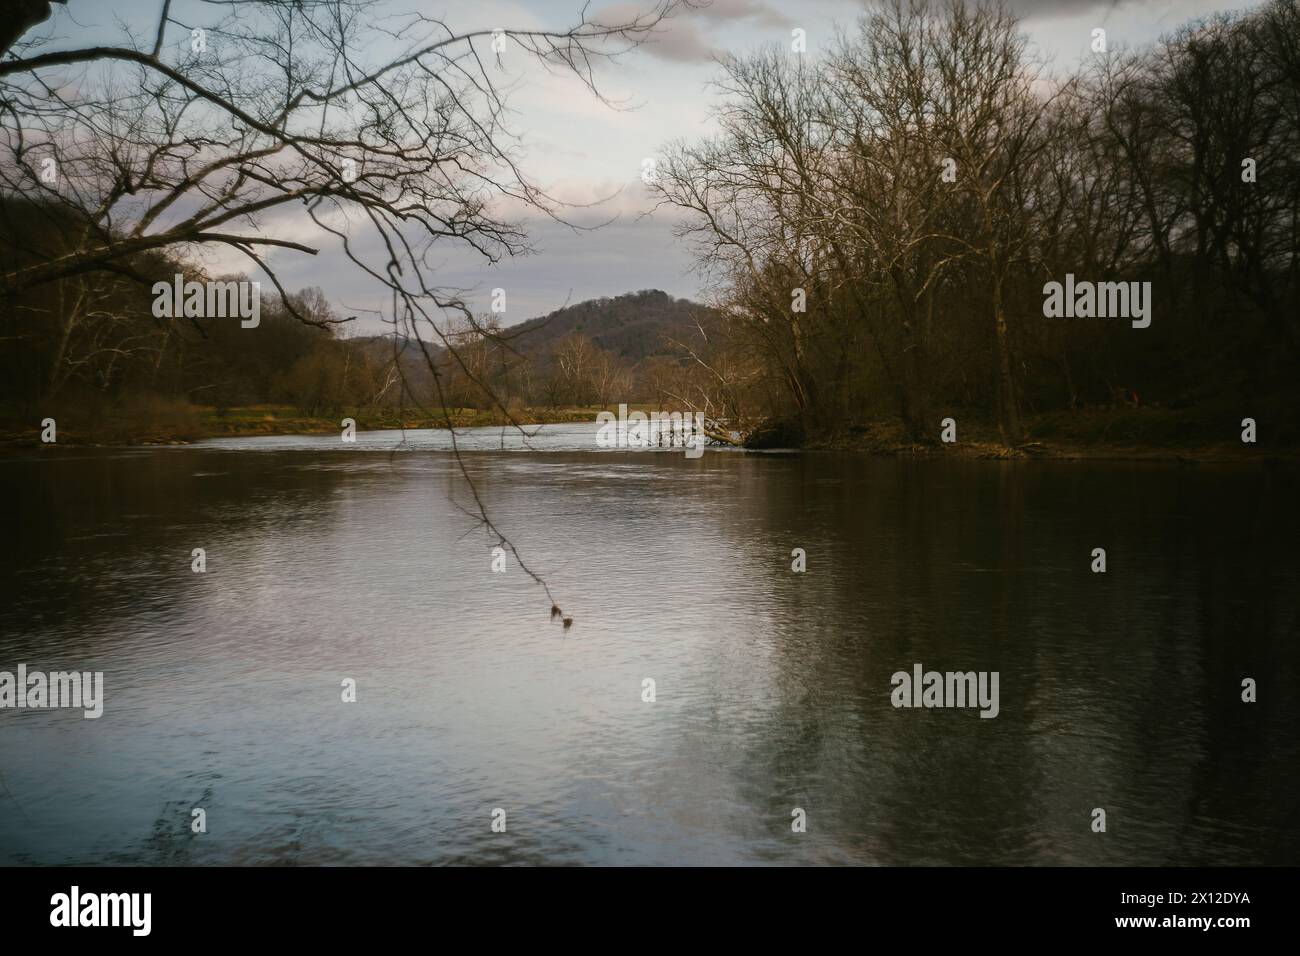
(328,562)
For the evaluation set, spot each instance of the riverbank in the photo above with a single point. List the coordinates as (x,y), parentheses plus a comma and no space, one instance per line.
(1145,434)
(170,423)
(283,420)
(1128,434)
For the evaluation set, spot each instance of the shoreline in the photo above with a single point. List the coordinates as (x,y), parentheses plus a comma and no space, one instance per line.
(1047,441)
(1041,451)
(1084,436)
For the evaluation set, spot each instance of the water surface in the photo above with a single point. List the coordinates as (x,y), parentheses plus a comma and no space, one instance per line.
(328,561)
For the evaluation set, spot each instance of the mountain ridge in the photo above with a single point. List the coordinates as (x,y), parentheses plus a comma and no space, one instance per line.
(632,326)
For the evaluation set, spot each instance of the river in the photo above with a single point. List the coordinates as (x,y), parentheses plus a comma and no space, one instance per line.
(329,562)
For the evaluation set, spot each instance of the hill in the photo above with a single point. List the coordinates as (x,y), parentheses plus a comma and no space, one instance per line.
(632,327)
(617,340)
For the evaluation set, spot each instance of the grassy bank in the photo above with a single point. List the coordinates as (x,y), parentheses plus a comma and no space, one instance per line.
(283,420)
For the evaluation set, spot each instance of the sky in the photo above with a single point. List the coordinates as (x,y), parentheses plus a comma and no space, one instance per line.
(582,151)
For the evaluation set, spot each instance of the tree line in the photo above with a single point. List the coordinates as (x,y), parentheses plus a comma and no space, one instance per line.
(92,341)
(132,148)
(882,221)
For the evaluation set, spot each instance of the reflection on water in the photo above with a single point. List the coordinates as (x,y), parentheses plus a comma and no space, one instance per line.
(569,436)
(326,562)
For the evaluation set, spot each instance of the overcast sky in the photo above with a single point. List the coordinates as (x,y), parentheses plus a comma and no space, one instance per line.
(581,150)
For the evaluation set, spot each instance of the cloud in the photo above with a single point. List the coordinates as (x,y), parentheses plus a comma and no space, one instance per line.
(760,13)
(681,43)
(699,32)
(1043,9)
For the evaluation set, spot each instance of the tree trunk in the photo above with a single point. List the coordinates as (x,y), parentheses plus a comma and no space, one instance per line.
(1009,423)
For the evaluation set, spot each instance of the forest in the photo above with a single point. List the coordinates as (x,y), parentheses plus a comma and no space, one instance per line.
(884,232)
(883,226)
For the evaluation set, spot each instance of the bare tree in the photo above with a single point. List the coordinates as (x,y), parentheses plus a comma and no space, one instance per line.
(202,133)
(827,185)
